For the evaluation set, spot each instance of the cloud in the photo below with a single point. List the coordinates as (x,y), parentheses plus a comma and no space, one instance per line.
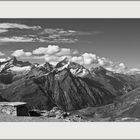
(47,50)
(85,59)
(16,39)
(36,39)
(18,26)
(3,30)
(92,60)
(53,50)
(64,52)
(1,54)
(58,32)
(38,34)
(3,59)
(89,58)
(63,40)
(6,27)
(75,52)
(53,59)
(77,59)
(133,71)
(21,53)
(53,54)
(62,36)
(50,31)
(117,68)
(112,66)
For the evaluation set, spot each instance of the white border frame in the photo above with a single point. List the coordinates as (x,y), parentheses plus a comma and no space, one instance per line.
(69,9)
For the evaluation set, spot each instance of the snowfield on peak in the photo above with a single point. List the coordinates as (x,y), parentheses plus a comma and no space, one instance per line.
(18,69)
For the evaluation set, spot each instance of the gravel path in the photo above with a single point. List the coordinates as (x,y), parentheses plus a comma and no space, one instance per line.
(9,118)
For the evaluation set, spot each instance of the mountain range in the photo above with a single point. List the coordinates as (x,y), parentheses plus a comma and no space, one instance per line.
(67,85)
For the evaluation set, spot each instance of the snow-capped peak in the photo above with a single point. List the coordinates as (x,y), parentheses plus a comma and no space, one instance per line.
(62,64)
(14,65)
(74,68)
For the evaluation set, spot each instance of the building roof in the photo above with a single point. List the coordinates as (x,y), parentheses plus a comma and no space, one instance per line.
(12,103)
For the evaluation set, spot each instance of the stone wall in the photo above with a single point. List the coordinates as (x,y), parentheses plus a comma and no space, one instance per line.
(10,110)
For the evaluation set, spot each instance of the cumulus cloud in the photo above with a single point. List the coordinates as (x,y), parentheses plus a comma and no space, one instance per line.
(47,50)
(85,59)
(77,59)
(75,52)
(104,61)
(133,71)
(21,53)
(90,59)
(64,52)
(117,67)
(53,54)
(53,50)
(40,50)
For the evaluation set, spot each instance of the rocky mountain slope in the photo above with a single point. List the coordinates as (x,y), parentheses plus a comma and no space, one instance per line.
(67,85)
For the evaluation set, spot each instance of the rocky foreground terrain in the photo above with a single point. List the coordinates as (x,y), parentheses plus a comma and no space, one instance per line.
(70,92)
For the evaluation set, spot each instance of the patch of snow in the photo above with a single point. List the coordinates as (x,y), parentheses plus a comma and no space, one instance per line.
(63,67)
(15,68)
(79,72)
(2,67)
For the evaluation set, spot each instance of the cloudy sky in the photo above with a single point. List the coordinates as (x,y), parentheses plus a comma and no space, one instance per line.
(113,43)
